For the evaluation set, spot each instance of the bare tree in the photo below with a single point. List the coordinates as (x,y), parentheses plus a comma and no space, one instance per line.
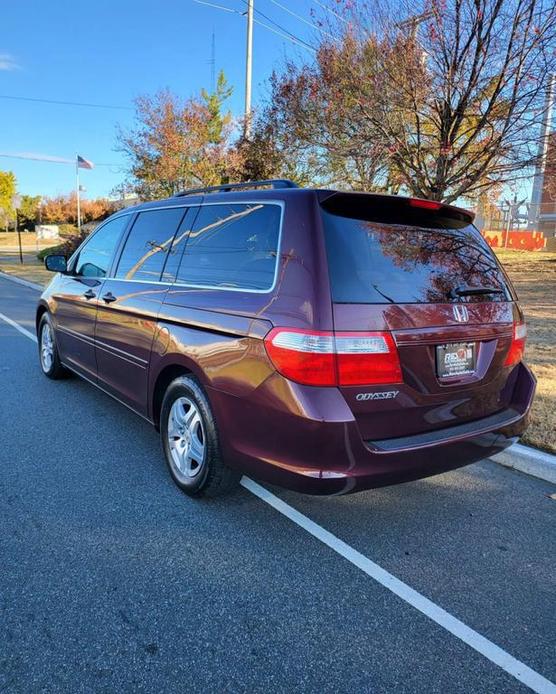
(441,98)
(469,117)
(313,116)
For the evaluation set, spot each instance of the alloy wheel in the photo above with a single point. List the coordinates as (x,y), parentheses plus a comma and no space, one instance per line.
(186,437)
(47,348)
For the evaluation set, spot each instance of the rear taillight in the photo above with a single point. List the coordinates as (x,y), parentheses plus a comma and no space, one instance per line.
(303,356)
(517,348)
(366,359)
(332,359)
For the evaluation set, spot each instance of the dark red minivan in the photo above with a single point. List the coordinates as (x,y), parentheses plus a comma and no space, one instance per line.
(324,341)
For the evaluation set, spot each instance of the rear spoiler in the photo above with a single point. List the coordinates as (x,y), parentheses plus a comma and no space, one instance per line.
(394,209)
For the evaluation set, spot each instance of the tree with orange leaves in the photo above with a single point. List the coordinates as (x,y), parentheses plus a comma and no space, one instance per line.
(62,209)
(178,144)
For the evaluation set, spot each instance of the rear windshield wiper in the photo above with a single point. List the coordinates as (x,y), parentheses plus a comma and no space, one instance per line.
(462,290)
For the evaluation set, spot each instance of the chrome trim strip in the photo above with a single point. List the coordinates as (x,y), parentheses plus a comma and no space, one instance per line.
(79,336)
(109,348)
(172,285)
(131,358)
(119,356)
(246,201)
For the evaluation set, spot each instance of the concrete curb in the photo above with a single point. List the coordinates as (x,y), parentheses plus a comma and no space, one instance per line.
(518,457)
(528,460)
(18,280)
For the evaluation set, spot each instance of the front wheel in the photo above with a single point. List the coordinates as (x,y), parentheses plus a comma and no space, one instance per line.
(190,441)
(48,350)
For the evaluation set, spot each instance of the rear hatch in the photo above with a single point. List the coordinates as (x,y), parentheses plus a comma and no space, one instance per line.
(420,272)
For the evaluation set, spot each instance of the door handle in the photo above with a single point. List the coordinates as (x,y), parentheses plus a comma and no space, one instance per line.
(109,298)
(89,294)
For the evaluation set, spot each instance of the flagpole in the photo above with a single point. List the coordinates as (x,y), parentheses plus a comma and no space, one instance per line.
(77,191)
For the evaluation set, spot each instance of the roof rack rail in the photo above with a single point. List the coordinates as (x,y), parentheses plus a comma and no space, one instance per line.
(226,187)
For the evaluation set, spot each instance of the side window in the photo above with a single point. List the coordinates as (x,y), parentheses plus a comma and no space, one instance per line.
(178,244)
(232,245)
(148,244)
(96,255)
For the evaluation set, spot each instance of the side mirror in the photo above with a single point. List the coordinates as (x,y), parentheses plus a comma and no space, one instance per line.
(56,263)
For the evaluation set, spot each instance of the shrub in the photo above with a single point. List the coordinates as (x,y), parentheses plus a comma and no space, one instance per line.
(67,229)
(67,248)
(41,255)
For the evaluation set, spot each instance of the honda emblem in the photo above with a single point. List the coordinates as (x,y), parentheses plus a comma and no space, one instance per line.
(461,314)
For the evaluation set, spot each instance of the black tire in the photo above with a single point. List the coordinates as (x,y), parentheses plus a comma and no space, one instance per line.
(211,477)
(53,368)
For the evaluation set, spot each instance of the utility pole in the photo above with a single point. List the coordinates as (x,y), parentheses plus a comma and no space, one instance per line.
(77,192)
(16,204)
(248,68)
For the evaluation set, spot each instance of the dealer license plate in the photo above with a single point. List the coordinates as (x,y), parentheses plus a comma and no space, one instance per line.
(455,359)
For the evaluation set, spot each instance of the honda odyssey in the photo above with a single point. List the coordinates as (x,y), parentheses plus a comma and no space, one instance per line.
(321,340)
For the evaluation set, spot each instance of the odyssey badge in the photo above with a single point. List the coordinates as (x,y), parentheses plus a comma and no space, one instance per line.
(382,395)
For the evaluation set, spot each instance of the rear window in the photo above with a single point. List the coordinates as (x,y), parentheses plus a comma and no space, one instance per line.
(377,262)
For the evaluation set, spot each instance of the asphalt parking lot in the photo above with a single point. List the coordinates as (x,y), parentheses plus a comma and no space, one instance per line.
(112,580)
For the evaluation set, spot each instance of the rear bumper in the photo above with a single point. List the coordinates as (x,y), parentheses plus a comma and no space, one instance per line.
(319,449)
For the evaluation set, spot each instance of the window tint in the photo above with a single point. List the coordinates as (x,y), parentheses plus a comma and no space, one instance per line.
(233,245)
(95,257)
(148,244)
(379,263)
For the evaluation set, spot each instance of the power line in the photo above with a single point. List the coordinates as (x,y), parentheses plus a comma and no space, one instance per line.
(38,157)
(281,28)
(218,7)
(65,103)
(329,9)
(284,33)
(285,36)
(301,19)
(52,160)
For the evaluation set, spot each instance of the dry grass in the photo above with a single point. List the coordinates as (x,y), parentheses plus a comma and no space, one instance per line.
(9,241)
(534,277)
(32,269)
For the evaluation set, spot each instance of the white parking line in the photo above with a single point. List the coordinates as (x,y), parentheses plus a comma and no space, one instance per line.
(18,327)
(472,638)
(479,643)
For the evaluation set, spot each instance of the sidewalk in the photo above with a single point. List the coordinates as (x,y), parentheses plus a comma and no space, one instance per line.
(530,461)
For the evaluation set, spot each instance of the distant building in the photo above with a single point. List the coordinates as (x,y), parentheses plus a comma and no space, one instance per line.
(47,231)
(547,213)
(540,233)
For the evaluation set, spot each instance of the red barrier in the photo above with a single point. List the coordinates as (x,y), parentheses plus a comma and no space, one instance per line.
(517,240)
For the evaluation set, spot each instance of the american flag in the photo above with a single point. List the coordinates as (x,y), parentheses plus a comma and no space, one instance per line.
(84,163)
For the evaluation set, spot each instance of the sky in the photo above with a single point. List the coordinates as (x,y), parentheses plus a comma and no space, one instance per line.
(108,53)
